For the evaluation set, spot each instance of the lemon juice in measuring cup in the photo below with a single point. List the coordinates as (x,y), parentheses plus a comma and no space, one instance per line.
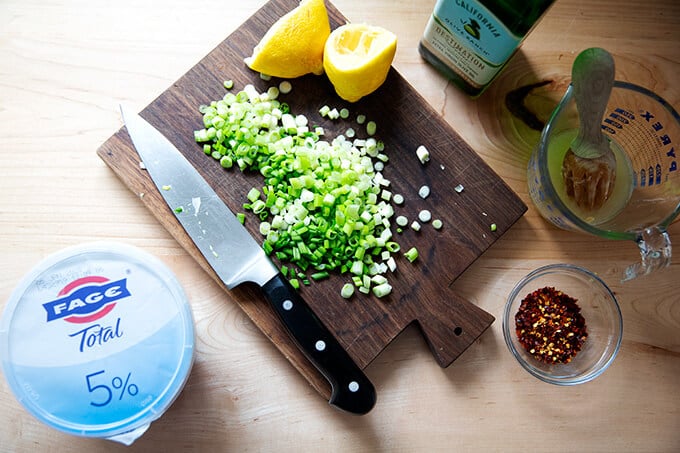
(644,133)
(623,183)
(98,341)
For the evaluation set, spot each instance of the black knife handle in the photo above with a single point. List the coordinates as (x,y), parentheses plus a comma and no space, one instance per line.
(350,388)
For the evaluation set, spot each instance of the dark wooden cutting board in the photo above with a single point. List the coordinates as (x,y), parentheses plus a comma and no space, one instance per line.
(364,325)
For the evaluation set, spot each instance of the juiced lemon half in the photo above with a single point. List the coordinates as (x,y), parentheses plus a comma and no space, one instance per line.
(294,45)
(357,58)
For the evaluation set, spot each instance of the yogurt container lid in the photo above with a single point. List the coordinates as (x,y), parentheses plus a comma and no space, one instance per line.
(98,340)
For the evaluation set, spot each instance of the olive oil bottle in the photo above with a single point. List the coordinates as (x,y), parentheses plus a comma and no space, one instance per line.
(470,41)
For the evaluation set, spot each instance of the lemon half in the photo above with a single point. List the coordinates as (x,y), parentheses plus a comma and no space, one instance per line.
(294,45)
(357,58)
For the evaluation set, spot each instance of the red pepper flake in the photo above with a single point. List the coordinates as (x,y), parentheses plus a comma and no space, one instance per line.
(550,326)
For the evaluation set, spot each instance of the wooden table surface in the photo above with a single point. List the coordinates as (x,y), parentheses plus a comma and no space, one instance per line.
(65,65)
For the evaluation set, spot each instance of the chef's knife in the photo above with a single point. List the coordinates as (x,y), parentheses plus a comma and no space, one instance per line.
(236,258)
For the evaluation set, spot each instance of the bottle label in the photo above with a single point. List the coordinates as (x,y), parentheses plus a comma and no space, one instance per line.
(470,39)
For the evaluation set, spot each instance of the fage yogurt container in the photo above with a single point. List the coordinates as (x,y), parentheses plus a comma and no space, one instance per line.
(98,341)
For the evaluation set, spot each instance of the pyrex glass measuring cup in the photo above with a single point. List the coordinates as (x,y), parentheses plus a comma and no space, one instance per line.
(644,133)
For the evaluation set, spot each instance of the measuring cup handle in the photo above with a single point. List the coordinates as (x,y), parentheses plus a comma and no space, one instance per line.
(655,252)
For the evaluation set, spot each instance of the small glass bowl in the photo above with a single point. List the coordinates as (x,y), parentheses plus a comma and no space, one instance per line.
(599,308)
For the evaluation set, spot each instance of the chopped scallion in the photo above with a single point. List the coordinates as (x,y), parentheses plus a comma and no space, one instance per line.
(371,128)
(226,162)
(424,216)
(423,154)
(324,204)
(285,87)
(382,290)
(411,254)
(320,275)
(253,194)
(347,290)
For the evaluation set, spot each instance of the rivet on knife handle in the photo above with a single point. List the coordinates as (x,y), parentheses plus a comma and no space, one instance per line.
(236,258)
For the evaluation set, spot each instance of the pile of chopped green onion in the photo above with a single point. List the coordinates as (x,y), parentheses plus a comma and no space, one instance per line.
(323,206)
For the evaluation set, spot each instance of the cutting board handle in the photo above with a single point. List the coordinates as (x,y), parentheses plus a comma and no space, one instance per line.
(451,325)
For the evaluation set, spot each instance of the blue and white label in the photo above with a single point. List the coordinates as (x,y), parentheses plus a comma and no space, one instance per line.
(97,342)
(87,303)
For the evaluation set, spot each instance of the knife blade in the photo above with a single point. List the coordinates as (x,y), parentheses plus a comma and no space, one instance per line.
(237,258)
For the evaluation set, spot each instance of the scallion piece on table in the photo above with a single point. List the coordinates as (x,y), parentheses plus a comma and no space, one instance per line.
(371,128)
(411,254)
(382,290)
(347,290)
(423,154)
(285,87)
(424,216)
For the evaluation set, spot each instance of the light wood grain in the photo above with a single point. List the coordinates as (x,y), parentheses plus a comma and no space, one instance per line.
(66,65)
